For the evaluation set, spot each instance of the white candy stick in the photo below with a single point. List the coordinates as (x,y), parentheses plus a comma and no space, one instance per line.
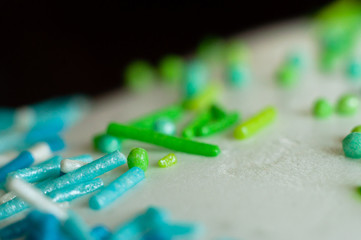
(7,197)
(36,198)
(40,152)
(68,165)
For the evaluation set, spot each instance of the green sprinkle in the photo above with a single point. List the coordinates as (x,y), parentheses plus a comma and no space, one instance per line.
(236,52)
(138,157)
(357,129)
(172,113)
(201,119)
(218,126)
(211,49)
(167,161)
(106,143)
(202,100)
(171,142)
(322,108)
(139,75)
(288,75)
(217,112)
(348,105)
(171,68)
(256,123)
(352,145)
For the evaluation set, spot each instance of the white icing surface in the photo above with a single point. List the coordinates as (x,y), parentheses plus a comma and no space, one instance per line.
(40,152)
(290,181)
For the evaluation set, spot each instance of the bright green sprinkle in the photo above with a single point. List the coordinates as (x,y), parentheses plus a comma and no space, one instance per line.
(167,161)
(219,125)
(106,143)
(171,142)
(348,105)
(139,75)
(171,68)
(202,100)
(172,113)
(236,52)
(217,112)
(352,145)
(322,108)
(357,129)
(201,119)
(138,157)
(256,123)
(288,75)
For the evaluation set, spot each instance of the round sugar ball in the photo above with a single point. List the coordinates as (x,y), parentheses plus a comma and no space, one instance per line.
(106,143)
(348,104)
(352,145)
(322,108)
(138,157)
(164,125)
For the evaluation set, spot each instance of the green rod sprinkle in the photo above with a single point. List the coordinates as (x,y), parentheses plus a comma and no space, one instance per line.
(256,123)
(218,126)
(167,141)
(202,100)
(217,112)
(201,119)
(174,113)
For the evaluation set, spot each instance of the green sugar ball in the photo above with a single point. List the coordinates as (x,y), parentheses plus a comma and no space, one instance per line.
(139,75)
(352,145)
(167,161)
(106,143)
(357,129)
(287,75)
(138,157)
(171,68)
(348,104)
(322,108)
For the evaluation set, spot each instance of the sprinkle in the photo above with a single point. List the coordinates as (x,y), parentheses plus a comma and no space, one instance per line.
(72,192)
(83,174)
(101,232)
(203,99)
(196,77)
(106,143)
(164,125)
(138,157)
(68,165)
(167,161)
(218,126)
(347,104)
(211,49)
(236,52)
(352,145)
(238,75)
(139,75)
(322,108)
(116,188)
(34,155)
(171,142)
(256,123)
(171,68)
(288,75)
(14,230)
(7,157)
(357,129)
(42,226)
(151,218)
(35,197)
(201,119)
(354,69)
(76,227)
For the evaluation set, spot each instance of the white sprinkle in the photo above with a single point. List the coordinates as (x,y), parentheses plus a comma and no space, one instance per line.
(40,152)
(36,198)
(24,118)
(7,197)
(68,165)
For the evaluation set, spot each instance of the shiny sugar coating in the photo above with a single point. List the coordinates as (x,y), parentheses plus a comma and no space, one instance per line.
(138,157)
(116,188)
(347,105)
(322,109)
(167,161)
(351,145)
(256,123)
(164,125)
(171,142)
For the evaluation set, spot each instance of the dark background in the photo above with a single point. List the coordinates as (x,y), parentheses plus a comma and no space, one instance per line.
(50,48)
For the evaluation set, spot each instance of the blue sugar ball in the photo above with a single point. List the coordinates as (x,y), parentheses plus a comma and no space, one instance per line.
(352,145)
(354,69)
(195,78)
(164,125)
(238,75)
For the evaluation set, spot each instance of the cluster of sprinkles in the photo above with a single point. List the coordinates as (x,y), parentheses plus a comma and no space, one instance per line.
(34,177)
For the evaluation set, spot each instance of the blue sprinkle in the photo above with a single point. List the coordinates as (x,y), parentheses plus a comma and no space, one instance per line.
(14,230)
(76,227)
(23,160)
(238,75)
(42,226)
(101,232)
(164,125)
(116,188)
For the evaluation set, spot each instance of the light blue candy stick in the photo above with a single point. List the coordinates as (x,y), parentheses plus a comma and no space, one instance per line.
(76,227)
(85,173)
(117,188)
(72,192)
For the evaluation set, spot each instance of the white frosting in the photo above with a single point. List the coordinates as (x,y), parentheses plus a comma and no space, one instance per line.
(36,198)
(68,165)
(40,152)
(25,118)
